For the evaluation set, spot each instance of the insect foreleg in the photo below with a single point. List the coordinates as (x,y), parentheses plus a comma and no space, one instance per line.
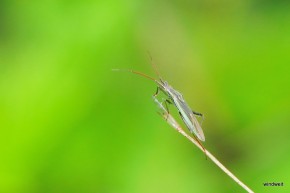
(157,91)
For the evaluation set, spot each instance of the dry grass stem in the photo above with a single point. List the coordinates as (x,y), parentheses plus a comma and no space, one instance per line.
(176,126)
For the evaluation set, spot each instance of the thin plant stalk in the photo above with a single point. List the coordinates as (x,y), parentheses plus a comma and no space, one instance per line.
(170,120)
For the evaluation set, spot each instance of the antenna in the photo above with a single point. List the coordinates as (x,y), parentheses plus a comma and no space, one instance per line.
(135,72)
(153,65)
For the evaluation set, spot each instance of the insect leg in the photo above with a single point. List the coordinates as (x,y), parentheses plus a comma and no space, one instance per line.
(157,91)
(165,109)
(204,150)
(199,114)
(167,101)
(196,113)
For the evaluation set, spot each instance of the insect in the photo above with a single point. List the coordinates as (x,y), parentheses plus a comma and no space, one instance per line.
(174,97)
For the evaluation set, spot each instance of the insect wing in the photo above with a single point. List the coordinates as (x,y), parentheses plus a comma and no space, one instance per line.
(197,126)
(189,118)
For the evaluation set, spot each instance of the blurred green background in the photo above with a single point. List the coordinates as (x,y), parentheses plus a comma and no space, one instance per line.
(70,124)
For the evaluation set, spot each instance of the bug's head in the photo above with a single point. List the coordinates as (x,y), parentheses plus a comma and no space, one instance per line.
(162,82)
(163,85)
